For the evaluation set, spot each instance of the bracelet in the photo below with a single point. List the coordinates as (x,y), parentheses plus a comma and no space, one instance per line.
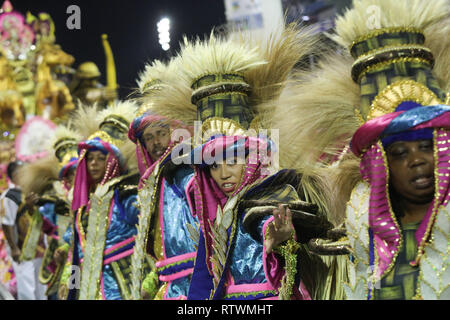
(289,253)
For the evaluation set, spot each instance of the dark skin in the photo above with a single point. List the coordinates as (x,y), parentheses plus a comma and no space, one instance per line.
(411,167)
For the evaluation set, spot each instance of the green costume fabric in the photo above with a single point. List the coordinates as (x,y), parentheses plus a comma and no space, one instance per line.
(401,282)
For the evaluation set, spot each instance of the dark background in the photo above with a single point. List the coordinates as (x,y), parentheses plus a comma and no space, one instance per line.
(131,29)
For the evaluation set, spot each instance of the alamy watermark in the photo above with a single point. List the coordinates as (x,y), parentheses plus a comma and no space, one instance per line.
(74,20)
(74,281)
(374,17)
(373,281)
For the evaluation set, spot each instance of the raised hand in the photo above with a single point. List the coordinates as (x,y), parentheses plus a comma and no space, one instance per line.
(280,229)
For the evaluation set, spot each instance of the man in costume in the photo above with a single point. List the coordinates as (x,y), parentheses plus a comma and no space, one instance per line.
(163,232)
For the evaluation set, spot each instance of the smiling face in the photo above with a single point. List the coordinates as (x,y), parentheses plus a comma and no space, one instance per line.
(156,139)
(411,166)
(227,175)
(96,165)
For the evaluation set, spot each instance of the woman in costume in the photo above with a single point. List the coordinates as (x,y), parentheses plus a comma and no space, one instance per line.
(406,202)
(390,187)
(399,211)
(104,191)
(238,206)
(83,129)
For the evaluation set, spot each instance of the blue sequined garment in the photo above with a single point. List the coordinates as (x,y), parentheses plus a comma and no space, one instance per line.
(122,227)
(247,256)
(47,210)
(177,240)
(245,276)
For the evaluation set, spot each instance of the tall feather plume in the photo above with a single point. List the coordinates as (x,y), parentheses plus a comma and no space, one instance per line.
(438,41)
(172,99)
(412,13)
(218,55)
(125,109)
(315,112)
(150,82)
(61,132)
(282,51)
(84,119)
(39,175)
(265,64)
(155,70)
(316,120)
(213,55)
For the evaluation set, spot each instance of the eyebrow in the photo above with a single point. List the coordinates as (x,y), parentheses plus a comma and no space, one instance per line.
(156,132)
(89,155)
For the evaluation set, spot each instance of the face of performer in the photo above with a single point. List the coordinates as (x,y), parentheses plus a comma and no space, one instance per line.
(96,165)
(227,175)
(411,165)
(70,177)
(156,139)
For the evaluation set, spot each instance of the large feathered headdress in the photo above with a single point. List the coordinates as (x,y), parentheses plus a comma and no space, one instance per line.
(387,56)
(222,81)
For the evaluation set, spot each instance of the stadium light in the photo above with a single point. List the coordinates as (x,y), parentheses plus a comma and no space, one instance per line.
(163,27)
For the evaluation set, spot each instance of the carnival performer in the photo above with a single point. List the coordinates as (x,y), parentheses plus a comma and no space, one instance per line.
(399,211)
(85,86)
(82,129)
(165,211)
(104,191)
(24,237)
(47,182)
(245,211)
(391,104)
